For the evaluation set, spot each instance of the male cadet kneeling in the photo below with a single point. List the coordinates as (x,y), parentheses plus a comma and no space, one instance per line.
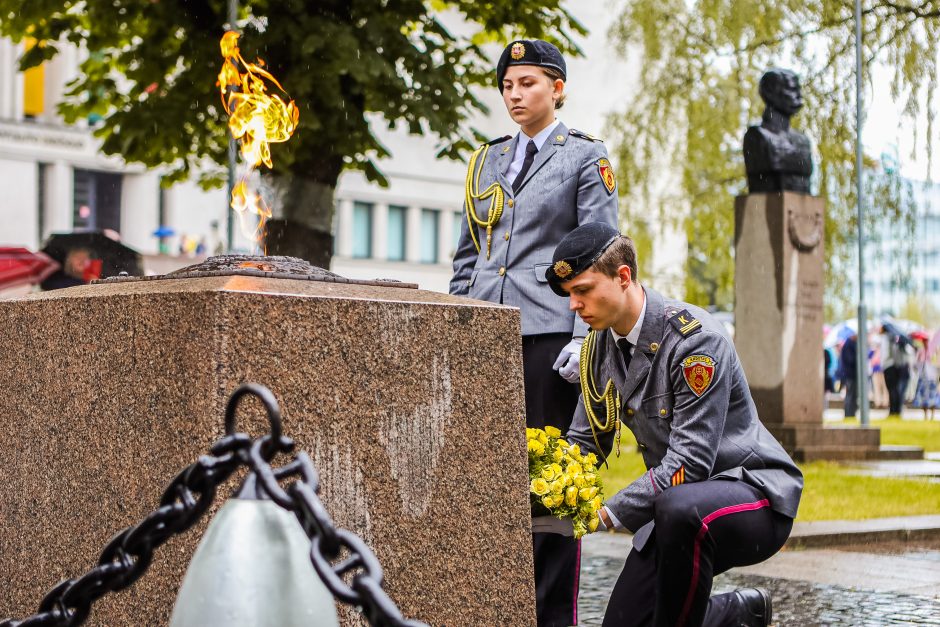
(719,491)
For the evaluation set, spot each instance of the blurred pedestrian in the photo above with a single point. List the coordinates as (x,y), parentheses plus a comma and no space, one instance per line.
(828,382)
(879,391)
(926,394)
(896,365)
(848,369)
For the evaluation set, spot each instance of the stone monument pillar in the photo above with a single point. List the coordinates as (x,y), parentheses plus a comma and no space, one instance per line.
(778,289)
(418,434)
(779,282)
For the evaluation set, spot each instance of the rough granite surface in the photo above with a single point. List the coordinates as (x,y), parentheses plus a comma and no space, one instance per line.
(409,402)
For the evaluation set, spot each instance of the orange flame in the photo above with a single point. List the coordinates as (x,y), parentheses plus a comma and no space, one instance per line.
(256,120)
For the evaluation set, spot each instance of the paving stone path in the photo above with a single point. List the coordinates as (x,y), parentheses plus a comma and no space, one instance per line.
(797,602)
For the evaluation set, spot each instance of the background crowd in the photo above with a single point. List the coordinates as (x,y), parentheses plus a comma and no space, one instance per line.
(902,366)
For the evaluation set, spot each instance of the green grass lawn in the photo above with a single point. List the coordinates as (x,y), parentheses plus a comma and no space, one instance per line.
(909,432)
(833,491)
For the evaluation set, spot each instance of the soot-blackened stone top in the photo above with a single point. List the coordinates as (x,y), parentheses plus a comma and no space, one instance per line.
(776,157)
(273,267)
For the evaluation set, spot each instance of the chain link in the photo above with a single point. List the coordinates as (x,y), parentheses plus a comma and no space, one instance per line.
(190,494)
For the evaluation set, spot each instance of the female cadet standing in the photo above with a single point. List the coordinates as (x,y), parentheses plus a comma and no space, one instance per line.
(524,194)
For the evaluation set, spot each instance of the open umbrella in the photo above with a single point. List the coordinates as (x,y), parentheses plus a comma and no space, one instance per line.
(114,256)
(894,329)
(19,266)
(840,332)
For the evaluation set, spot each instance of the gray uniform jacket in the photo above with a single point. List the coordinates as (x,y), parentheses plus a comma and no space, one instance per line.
(686,435)
(563,188)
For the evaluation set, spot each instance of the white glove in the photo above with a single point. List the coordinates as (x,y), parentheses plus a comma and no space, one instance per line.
(568,361)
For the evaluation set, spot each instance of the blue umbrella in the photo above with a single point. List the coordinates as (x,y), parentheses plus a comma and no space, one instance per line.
(164,231)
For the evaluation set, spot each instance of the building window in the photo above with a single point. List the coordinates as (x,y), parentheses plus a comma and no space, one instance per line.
(97,200)
(41,198)
(429,235)
(362,230)
(396,233)
(458,221)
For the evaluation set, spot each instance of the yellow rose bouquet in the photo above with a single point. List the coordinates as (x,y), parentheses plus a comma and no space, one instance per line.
(562,482)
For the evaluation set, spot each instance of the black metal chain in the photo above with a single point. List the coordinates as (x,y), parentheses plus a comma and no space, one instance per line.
(127,556)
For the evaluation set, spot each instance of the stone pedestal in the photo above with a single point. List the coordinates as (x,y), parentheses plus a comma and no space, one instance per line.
(778,318)
(410,404)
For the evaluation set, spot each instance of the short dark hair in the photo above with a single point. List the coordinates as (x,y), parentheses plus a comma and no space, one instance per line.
(553,76)
(621,252)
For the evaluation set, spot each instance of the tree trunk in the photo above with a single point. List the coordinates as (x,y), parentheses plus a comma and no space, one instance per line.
(303,218)
(293,239)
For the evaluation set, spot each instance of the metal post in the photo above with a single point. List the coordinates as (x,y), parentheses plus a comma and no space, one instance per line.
(232,152)
(862,357)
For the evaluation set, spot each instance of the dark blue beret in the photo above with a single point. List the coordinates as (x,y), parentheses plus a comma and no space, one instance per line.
(578,251)
(530,52)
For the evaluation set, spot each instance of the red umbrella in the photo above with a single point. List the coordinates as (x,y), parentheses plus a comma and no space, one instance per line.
(19,266)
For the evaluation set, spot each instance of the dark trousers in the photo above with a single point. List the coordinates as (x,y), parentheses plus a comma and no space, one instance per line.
(701,530)
(550,400)
(896,378)
(851,396)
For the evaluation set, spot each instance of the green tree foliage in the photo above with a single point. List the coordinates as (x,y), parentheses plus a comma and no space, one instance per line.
(349,64)
(697,93)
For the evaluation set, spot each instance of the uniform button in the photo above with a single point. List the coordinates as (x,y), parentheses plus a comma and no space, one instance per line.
(506,236)
(510,203)
(629,412)
(502,271)
(642,447)
(662,412)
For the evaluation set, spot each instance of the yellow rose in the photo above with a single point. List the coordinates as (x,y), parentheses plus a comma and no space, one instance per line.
(536,447)
(571,496)
(553,432)
(574,450)
(558,499)
(590,458)
(579,481)
(568,479)
(558,455)
(586,494)
(592,524)
(558,486)
(548,473)
(556,468)
(531,434)
(589,478)
(596,503)
(543,438)
(539,487)
(563,442)
(548,501)
(574,468)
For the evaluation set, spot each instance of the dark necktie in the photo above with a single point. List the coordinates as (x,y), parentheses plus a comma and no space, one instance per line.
(625,350)
(530,151)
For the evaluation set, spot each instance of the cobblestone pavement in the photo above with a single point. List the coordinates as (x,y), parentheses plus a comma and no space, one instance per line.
(797,602)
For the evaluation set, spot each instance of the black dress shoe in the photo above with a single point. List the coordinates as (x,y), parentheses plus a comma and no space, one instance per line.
(754,607)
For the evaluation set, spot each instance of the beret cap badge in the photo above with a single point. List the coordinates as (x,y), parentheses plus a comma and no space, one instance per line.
(562,269)
(517,51)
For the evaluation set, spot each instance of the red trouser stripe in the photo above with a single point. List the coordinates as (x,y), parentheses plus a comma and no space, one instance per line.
(724,511)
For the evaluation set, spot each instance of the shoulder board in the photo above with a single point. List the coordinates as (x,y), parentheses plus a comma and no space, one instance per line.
(498,140)
(583,135)
(684,322)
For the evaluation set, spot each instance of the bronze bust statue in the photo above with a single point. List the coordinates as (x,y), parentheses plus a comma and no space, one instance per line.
(776,157)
